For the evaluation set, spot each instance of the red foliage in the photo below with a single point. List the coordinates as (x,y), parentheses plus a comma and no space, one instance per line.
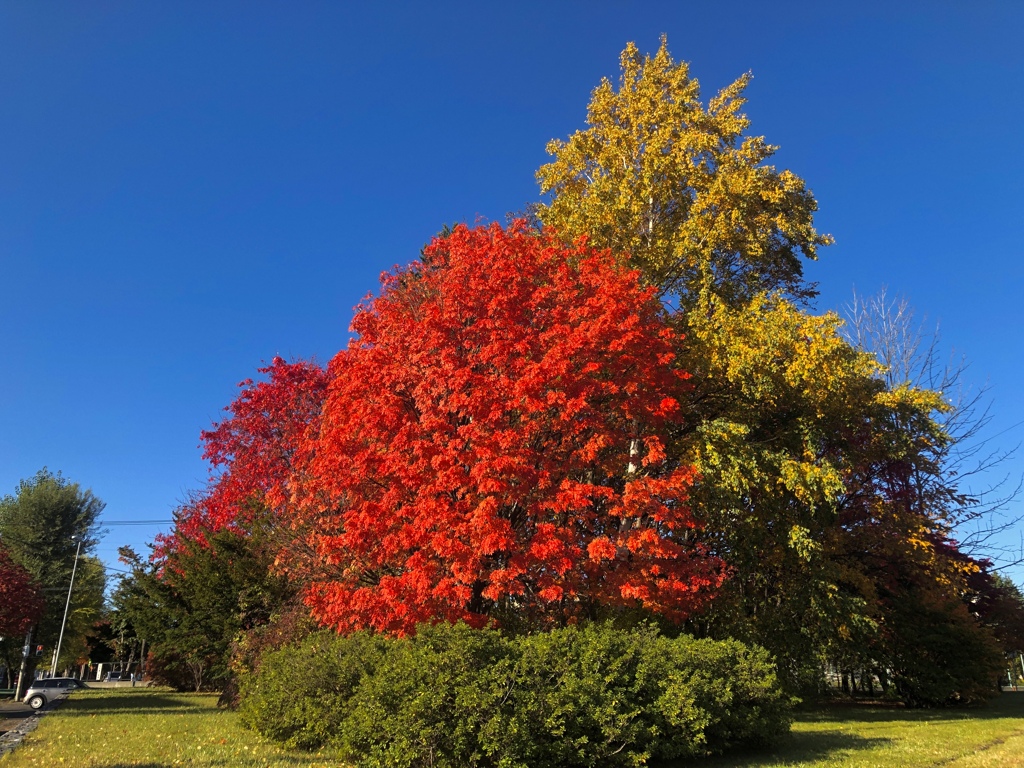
(21,599)
(497,437)
(252,452)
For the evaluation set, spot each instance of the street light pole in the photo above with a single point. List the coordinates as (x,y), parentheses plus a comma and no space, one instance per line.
(67,605)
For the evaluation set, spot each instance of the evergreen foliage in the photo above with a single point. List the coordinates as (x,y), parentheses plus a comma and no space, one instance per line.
(192,609)
(37,524)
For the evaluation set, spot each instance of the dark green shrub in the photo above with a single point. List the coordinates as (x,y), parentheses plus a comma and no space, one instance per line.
(300,695)
(576,697)
(716,695)
(426,703)
(939,655)
(455,696)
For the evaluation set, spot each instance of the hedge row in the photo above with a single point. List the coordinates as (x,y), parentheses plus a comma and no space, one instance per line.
(455,696)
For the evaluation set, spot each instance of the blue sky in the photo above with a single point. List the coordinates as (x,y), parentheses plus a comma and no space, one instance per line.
(189,189)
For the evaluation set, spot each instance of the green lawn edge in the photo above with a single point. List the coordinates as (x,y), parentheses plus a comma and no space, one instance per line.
(151,728)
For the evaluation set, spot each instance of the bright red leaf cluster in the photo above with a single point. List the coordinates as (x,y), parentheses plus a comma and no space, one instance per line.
(21,599)
(495,438)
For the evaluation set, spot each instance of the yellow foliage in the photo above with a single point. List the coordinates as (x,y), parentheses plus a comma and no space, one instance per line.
(678,187)
(819,485)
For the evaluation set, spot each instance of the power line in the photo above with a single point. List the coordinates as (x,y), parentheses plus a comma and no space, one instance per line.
(136,522)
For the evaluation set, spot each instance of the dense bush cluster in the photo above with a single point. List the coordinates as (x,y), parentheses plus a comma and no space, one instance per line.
(456,696)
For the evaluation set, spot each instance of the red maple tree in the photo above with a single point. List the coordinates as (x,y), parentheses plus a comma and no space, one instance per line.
(21,599)
(252,452)
(496,440)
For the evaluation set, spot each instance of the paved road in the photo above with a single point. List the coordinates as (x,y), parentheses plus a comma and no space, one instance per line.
(15,722)
(12,713)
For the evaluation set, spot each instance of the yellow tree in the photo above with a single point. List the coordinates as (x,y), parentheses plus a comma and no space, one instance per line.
(790,427)
(680,187)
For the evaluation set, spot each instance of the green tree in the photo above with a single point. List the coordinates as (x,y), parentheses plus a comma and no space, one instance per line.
(85,611)
(192,606)
(37,524)
(1000,605)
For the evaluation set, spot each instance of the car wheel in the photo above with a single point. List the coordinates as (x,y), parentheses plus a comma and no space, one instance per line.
(36,702)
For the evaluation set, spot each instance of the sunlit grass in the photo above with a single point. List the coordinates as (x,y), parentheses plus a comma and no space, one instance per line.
(117,728)
(149,728)
(862,736)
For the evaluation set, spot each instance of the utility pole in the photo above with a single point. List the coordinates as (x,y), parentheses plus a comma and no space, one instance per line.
(25,651)
(67,605)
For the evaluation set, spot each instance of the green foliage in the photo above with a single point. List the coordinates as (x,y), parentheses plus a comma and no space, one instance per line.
(597,696)
(85,611)
(938,654)
(585,696)
(37,524)
(734,684)
(155,727)
(300,695)
(193,607)
(428,699)
(38,521)
(455,696)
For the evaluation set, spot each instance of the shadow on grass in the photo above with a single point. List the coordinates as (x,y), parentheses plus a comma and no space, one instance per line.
(1004,705)
(792,750)
(824,743)
(147,703)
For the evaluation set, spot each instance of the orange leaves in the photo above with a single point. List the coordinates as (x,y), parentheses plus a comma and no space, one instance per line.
(255,454)
(497,440)
(475,443)
(601,548)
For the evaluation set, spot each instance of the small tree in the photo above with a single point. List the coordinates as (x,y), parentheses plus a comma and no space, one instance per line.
(194,603)
(36,525)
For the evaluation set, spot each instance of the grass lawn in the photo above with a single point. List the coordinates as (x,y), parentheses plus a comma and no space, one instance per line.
(862,736)
(149,728)
(116,728)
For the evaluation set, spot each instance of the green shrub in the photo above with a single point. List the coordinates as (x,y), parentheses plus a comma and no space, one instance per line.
(716,695)
(300,694)
(427,702)
(598,696)
(455,696)
(575,697)
(947,660)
